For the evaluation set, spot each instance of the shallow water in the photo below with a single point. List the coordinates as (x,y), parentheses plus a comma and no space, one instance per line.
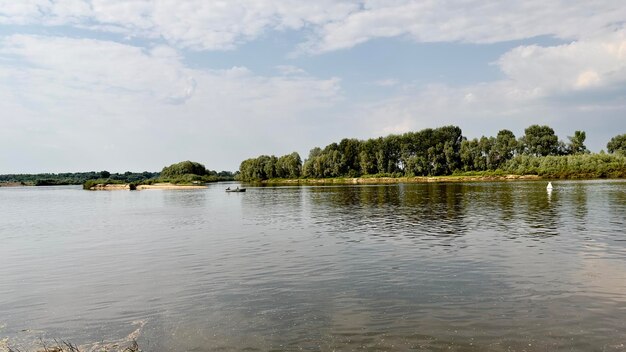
(464,267)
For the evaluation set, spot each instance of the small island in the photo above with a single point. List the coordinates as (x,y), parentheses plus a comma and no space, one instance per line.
(183,175)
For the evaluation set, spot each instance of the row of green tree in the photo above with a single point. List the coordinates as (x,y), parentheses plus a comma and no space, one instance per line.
(183,172)
(267,167)
(75,178)
(433,152)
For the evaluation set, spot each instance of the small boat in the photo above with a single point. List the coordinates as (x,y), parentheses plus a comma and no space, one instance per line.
(549,188)
(235,190)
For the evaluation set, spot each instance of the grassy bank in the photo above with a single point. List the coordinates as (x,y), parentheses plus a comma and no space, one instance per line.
(582,166)
(372,179)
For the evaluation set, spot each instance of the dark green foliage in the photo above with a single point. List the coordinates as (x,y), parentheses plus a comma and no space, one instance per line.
(427,152)
(184,168)
(267,167)
(76,178)
(475,154)
(444,151)
(539,141)
(289,166)
(617,144)
(175,174)
(187,172)
(577,143)
(504,148)
(569,166)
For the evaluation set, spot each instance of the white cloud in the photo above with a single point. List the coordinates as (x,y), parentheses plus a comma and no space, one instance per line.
(545,85)
(290,70)
(587,79)
(222,25)
(470,21)
(87,64)
(74,96)
(43,11)
(86,104)
(196,24)
(490,108)
(584,64)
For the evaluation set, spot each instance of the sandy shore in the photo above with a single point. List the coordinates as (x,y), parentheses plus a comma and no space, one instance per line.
(11,184)
(109,187)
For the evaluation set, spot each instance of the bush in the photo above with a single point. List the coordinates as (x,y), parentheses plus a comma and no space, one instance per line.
(184,168)
(569,166)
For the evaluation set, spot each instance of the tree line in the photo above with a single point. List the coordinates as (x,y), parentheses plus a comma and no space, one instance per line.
(431,152)
(75,178)
(183,172)
(266,167)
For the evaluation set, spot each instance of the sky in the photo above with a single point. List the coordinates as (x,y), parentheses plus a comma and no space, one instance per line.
(139,84)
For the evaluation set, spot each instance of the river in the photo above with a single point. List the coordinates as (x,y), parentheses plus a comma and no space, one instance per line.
(485,266)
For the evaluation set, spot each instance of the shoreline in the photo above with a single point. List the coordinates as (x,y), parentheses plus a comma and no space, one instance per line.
(126,186)
(393,180)
(12,184)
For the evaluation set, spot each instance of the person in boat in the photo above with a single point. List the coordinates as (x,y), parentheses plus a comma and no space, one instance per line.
(228,189)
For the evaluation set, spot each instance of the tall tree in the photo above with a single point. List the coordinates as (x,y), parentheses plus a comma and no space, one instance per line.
(367,157)
(540,141)
(471,155)
(504,148)
(576,143)
(617,144)
(308,168)
(293,165)
(349,149)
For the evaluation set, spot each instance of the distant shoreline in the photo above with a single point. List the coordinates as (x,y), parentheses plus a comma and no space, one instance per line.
(417,179)
(12,184)
(126,186)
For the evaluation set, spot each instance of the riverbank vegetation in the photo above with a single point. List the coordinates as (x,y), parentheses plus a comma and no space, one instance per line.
(182,173)
(186,172)
(444,151)
(74,178)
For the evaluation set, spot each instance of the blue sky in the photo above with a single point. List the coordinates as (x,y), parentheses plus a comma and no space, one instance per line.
(135,85)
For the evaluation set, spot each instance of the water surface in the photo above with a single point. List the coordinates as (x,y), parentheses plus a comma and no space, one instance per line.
(464,267)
